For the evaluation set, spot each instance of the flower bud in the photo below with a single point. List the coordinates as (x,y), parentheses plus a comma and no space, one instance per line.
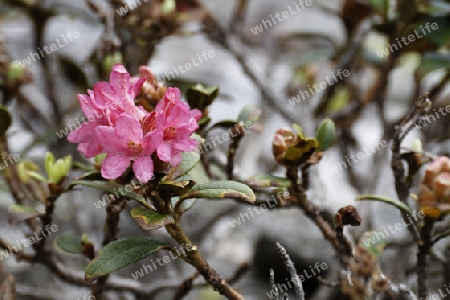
(57,170)
(153,89)
(434,190)
(284,138)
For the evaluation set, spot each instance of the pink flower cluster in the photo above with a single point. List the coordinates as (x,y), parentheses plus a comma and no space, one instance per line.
(129,134)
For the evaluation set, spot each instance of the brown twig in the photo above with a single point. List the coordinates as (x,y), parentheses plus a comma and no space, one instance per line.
(196,260)
(239,133)
(422,257)
(237,21)
(403,184)
(310,210)
(346,216)
(19,254)
(185,287)
(113,210)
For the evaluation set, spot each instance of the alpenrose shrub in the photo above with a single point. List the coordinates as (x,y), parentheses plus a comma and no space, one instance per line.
(129,134)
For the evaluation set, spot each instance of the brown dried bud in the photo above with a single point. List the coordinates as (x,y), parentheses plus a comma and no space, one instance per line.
(434,190)
(347,215)
(284,138)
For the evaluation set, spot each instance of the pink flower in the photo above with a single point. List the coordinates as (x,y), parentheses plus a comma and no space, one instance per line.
(127,143)
(129,134)
(177,122)
(103,106)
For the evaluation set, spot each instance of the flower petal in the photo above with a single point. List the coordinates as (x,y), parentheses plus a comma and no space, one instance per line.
(152,140)
(164,152)
(129,128)
(114,165)
(196,114)
(110,141)
(120,81)
(135,87)
(143,168)
(176,159)
(185,144)
(90,149)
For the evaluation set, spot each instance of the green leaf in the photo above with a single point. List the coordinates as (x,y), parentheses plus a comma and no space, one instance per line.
(188,162)
(23,169)
(266,180)
(149,219)
(69,243)
(20,213)
(201,97)
(221,189)
(5,120)
(169,189)
(434,61)
(227,124)
(301,152)
(111,187)
(380,6)
(339,100)
(186,205)
(37,176)
(119,254)
(183,205)
(372,242)
(439,37)
(326,134)
(250,113)
(400,205)
(299,131)
(92,176)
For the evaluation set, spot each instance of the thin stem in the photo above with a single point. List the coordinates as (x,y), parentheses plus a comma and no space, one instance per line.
(422,257)
(196,260)
(111,230)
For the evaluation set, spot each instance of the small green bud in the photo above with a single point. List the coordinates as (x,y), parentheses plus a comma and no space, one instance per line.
(16,74)
(58,170)
(111,60)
